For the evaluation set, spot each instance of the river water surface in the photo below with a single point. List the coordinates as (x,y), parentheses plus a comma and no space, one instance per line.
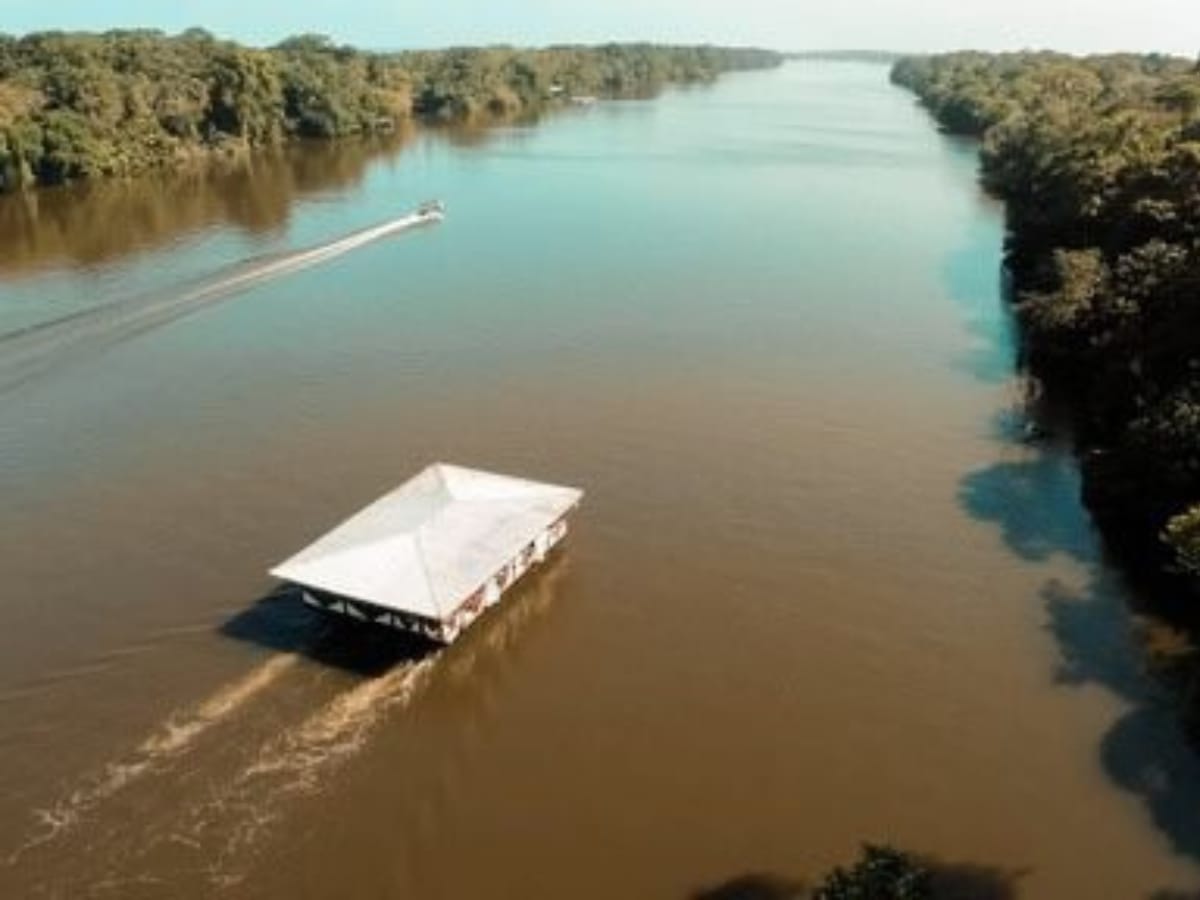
(818,592)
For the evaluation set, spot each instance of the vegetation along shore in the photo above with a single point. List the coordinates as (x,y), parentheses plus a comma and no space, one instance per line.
(1098,160)
(76,106)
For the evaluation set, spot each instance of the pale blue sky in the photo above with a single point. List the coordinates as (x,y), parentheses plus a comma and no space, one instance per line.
(1074,25)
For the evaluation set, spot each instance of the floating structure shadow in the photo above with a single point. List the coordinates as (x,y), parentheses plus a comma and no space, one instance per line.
(280,621)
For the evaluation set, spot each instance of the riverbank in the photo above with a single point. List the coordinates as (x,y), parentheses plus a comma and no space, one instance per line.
(81,106)
(1098,161)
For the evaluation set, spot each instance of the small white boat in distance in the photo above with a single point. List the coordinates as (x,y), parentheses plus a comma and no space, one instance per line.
(433,209)
(432,555)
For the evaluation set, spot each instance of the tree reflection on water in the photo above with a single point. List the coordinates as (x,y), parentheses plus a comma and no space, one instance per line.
(74,225)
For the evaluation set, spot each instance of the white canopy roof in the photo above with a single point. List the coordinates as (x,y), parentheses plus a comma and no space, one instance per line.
(428,545)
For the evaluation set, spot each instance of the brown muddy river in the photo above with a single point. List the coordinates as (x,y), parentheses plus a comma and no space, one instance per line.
(819,592)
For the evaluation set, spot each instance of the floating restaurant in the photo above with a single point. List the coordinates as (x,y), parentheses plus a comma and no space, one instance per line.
(433,554)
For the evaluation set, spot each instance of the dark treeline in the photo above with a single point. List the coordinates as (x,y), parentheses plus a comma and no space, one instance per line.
(880,872)
(75,106)
(1099,162)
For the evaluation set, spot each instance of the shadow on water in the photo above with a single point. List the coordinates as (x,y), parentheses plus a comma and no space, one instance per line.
(973,881)
(948,881)
(1098,623)
(1035,504)
(1146,751)
(281,622)
(754,887)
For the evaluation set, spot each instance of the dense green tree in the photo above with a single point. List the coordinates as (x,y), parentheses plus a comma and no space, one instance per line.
(1183,536)
(1098,160)
(880,873)
(85,105)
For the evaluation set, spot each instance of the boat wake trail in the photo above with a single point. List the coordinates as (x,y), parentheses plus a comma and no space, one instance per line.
(226,828)
(29,351)
(337,730)
(297,762)
(210,833)
(202,800)
(171,740)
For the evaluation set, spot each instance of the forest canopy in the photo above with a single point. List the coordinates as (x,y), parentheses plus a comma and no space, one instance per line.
(1098,160)
(76,106)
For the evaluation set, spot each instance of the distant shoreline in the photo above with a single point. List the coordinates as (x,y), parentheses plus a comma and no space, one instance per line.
(884,57)
(80,106)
